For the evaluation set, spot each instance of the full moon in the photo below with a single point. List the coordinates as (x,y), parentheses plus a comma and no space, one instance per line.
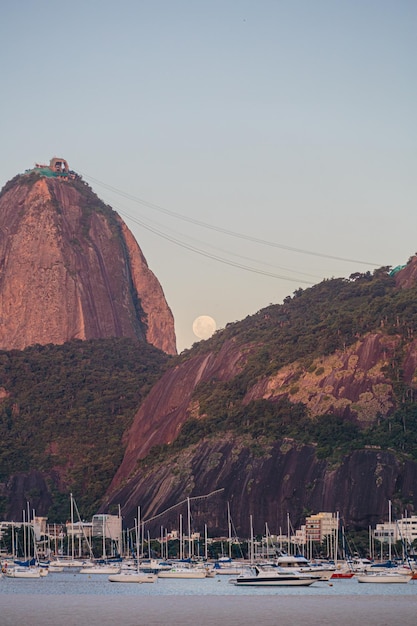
(204,326)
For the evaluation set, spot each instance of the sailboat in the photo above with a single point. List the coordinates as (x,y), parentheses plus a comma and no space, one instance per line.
(22,571)
(126,575)
(103,567)
(132,576)
(385,578)
(29,568)
(71,561)
(388,573)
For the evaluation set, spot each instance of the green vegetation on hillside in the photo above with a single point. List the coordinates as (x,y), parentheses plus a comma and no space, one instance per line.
(267,422)
(65,409)
(314,322)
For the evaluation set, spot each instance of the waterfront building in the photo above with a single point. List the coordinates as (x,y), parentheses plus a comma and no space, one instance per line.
(320,526)
(386,532)
(407,529)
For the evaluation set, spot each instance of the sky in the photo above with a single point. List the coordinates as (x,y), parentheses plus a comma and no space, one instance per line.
(253,147)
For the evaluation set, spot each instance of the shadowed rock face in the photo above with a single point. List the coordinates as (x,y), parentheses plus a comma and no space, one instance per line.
(286,478)
(71,269)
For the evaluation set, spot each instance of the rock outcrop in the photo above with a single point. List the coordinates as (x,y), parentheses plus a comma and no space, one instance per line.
(285,478)
(350,383)
(280,477)
(71,269)
(169,403)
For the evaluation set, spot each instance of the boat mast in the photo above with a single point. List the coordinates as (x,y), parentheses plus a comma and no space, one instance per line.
(138,537)
(24,534)
(336,543)
(288,534)
(103,543)
(251,541)
(189,528)
(72,526)
(229,525)
(389,534)
(28,533)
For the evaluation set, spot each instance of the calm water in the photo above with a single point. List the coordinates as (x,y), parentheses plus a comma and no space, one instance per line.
(69,599)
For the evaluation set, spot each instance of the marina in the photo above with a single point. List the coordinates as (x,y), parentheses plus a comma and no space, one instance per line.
(70,598)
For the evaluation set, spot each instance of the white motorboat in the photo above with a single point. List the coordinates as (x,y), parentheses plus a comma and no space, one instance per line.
(299,564)
(268,576)
(132,577)
(359,564)
(227,567)
(183,572)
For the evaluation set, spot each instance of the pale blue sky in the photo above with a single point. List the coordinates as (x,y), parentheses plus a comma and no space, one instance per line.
(287,121)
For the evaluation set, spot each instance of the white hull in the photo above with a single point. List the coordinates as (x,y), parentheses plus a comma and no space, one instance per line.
(183,574)
(384,578)
(132,578)
(228,571)
(111,569)
(69,563)
(23,572)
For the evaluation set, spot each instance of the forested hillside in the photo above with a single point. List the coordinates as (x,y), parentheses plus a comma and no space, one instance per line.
(321,387)
(304,405)
(63,412)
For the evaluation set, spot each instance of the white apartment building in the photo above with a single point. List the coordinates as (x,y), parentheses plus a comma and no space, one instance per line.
(320,526)
(386,532)
(108,525)
(407,529)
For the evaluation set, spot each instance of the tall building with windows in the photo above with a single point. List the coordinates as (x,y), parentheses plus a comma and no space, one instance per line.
(109,526)
(407,529)
(320,526)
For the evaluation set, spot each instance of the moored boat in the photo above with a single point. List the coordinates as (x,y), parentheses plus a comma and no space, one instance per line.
(132,577)
(299,564)
(227,567)
(384,578)
(21,571)
(341,575)
(183,572)
(100,569)
(70,563)
(154,566)
(273,577)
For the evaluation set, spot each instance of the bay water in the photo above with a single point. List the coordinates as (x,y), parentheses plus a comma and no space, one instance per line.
(71,599)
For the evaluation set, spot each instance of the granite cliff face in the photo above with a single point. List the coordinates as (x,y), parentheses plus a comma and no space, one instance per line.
(285,478)
(170,403)
(347,383)
(344,351)
(358,383)
(71,269)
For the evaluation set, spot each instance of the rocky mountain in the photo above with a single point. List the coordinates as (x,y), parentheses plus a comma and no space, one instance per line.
(305,406)
(71,269)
